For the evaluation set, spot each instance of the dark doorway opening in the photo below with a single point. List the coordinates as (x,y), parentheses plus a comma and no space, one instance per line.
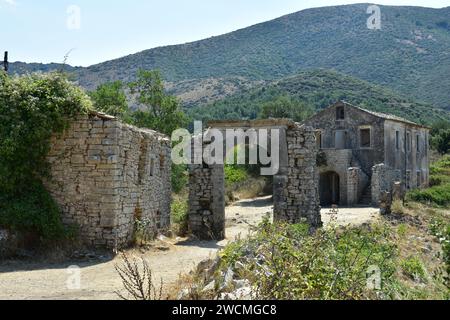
(329,189)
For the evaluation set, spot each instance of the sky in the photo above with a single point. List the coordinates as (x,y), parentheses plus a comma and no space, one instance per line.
(94,31)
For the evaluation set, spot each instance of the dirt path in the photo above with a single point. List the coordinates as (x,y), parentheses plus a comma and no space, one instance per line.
(99,280)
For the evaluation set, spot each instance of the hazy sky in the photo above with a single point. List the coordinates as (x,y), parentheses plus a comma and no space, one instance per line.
(45,30)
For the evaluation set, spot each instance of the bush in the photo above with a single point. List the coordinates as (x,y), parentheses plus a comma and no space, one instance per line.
(413,268)
(441,230)
(285,262)
(32,109)
(439,192)
(179,178)
(438,195)
(180,216)
(235,174)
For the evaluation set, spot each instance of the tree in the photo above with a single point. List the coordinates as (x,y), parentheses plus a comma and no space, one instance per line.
(111,99)
(286,107)
(440,137)
(158,111)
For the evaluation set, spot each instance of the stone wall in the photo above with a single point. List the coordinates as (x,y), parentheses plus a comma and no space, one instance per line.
(105,174)
(383,180)
(353,186)
(300,201)
(295,193)
(410,154)
(207,202)
(338,161)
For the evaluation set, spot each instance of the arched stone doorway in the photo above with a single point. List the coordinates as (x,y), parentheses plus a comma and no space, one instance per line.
(329,189)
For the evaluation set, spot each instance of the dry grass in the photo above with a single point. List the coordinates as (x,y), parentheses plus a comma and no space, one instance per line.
(138,280)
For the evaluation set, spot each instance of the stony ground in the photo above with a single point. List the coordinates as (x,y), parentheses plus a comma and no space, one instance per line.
(168,259)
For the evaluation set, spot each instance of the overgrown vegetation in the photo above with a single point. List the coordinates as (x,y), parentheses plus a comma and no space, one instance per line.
(235,174)
(440,140)
(179,215)
(32,109)
(396,257)
(286,262)
(439,192)
(111,99)
(158,111)
(413,268)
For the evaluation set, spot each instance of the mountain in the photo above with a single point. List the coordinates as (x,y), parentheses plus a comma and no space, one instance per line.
(410,54)
(319,89)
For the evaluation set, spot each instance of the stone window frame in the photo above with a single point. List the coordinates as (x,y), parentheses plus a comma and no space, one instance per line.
(346,138)
(152,166)
(397,140)
(418,143)
(319,137)
(340,113)
(419,178)
(409,141)
(366,127)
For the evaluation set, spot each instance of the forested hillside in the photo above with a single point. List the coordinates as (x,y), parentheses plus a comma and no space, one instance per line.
(410,54)
(317,90)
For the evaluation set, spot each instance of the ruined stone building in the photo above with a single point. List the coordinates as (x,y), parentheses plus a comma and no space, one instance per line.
(295,187)
(105,175)
(363,153)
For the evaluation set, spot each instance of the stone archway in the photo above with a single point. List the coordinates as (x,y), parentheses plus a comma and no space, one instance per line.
(329,189)
(295,186)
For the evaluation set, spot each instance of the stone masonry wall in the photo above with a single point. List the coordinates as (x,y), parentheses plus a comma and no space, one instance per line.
(207,202)
(383,179)
(295,193)
(103,177)
(300,190)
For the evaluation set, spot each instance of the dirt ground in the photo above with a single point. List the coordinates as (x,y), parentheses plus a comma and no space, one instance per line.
(168,259)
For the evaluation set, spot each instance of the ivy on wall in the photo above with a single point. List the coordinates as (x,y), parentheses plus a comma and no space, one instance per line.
(32,109)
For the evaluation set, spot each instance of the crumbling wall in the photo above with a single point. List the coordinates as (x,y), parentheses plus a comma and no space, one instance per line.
(100,179)
(353,186)
(295,193)
(383,180)
(300,201)
(207,202)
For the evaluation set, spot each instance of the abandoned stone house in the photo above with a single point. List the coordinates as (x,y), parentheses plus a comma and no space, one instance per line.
(363,153)
(106,174)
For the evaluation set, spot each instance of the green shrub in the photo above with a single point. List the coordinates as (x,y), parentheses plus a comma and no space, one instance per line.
(179,178)
(439,192)
(441,230)
(413,268)
(285,262)
(180,216)
(32,109)
(235,174)
(438,195)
